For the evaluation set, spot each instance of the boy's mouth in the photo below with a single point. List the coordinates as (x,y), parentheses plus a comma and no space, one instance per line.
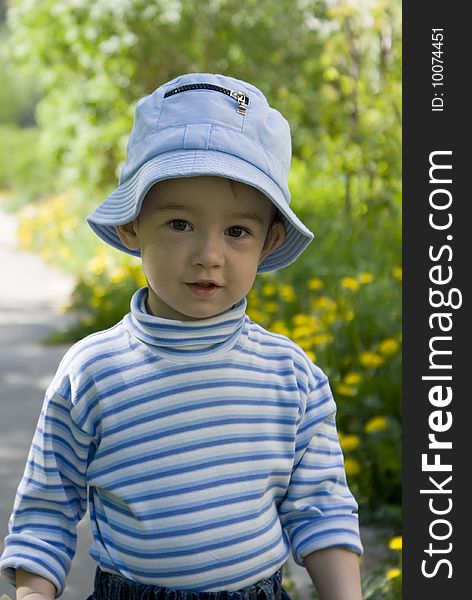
(205,283)
(204,288)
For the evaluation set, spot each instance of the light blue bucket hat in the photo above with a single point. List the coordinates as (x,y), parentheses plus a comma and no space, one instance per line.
(206,124)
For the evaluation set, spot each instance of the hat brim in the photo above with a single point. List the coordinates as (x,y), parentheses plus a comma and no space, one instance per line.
(124,203)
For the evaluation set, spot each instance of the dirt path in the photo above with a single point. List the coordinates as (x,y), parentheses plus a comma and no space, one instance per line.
(30,296)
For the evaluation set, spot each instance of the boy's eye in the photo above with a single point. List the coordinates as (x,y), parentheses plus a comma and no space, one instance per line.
(178,224)
(237,232)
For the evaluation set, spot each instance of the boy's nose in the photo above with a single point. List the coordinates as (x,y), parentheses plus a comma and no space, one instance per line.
(208,252)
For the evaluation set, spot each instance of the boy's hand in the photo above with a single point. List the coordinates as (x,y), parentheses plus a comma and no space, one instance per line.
(31,596)
(33,587)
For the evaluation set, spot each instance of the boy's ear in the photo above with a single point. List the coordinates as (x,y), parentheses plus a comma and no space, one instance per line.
(275,237)
(128,235)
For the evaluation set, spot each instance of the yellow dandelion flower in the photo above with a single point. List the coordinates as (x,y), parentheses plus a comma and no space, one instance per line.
(388,346)
(397,273)
(280,327)
(271,307)
(349,442)
(256,315)
(287,583)
(350,283)
(254,301)
(345,390)
(323,303)
(370,359)
(306,324)
(352,378)
(330,318)
(376,424)
(300,319)
(351,466)
(287,293)
(302,331)
(392,573)
(365,277)
(97,264)
(304,343)
(269,289)
(99,291)
(118,275)
(315,284)
(396,543)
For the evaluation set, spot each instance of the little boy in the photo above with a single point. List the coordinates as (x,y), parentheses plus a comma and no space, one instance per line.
(205,446)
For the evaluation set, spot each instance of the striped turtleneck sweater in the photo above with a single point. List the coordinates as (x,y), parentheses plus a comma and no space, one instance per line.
(207,450)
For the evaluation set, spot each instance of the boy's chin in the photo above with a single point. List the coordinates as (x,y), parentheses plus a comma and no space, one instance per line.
(193,305)
(203,314)
(177,313)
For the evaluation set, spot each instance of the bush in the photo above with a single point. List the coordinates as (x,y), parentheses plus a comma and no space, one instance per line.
(24,169)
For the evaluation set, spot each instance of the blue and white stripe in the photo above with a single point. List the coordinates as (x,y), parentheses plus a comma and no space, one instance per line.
(209,450)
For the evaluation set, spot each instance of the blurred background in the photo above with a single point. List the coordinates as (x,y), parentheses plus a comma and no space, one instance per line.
(71,72)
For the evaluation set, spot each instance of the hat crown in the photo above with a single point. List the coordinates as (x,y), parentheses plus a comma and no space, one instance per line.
(202,111)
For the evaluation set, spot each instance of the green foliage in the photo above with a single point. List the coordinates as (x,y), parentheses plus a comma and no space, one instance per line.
(95,59)
(379,587)
(100,304)
(24,169)
(334,71)
(18,93)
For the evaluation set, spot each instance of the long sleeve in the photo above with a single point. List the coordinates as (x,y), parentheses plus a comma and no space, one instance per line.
(51,498)
(319,510)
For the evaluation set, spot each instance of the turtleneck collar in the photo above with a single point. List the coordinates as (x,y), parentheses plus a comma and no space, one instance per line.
(185,341)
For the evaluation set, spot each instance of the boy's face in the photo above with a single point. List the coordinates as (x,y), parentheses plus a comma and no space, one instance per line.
(197,230)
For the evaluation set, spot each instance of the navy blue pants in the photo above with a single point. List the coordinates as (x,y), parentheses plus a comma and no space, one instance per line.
(115,587)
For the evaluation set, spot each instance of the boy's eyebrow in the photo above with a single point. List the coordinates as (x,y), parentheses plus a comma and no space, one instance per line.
(249,215)
(171,207)
(236,215)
